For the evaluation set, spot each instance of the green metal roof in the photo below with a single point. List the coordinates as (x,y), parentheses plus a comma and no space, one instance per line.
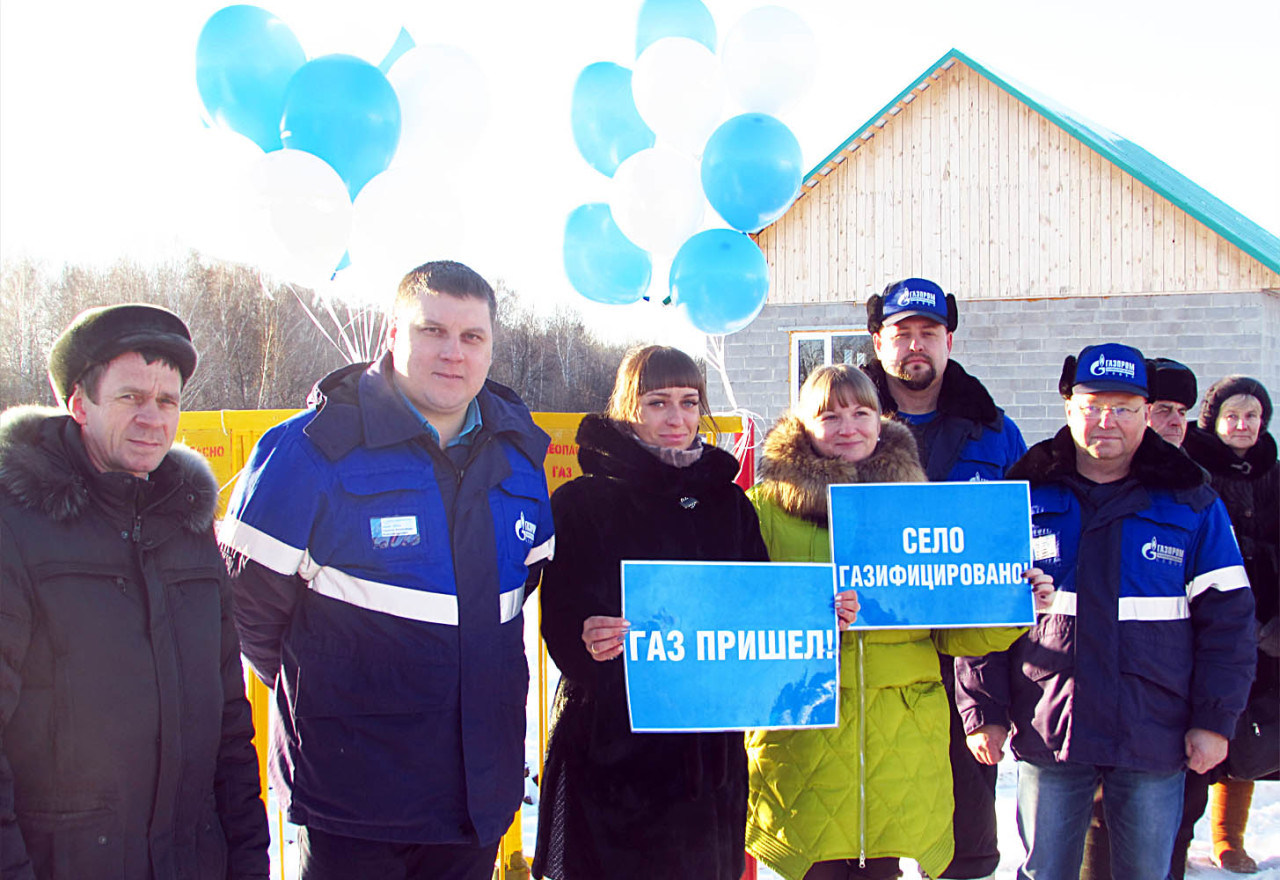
(1133,159)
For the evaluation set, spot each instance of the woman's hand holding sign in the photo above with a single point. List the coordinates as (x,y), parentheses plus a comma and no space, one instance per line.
(847,608)
(1041,587)
(604,636)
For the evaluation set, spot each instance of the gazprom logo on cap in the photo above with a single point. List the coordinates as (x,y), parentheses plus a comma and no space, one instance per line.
(1105,366)
(908,297)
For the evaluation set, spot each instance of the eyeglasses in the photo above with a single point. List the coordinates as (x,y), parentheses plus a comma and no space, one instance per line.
(1094,413)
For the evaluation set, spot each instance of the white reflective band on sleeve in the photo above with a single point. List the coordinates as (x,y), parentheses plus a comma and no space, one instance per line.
(260,547)
(1064,602)
(1154,608)
(1222,579)
(389,599)
(510,603)
(545,550)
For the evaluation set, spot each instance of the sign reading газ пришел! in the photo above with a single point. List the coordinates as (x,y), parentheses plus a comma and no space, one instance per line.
(729,645)
(934,555)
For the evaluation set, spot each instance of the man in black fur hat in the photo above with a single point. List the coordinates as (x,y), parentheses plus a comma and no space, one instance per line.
(963,436)
(125,736)
(1173,393)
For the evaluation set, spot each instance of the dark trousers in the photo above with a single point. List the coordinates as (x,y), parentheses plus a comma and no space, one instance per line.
(974,786)
(847,869)
(328,856)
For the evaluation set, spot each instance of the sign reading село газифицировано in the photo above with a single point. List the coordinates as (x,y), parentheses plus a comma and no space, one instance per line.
(934,554)
(729,645)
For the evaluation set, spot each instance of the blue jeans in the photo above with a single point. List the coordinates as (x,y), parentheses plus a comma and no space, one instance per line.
(1054,804)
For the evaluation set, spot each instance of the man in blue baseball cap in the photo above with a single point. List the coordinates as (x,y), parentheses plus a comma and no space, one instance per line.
(1141,666)
(963,436)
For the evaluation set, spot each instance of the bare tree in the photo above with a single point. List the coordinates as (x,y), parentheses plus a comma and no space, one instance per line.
(261,346)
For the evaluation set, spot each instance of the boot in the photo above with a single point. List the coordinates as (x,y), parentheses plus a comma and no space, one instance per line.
(1229,802)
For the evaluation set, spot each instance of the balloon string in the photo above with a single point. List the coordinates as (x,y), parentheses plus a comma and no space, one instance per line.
(715,359)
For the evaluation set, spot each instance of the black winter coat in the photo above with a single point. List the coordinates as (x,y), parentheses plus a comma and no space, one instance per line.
(1250,488)
(125,736)
(618,804)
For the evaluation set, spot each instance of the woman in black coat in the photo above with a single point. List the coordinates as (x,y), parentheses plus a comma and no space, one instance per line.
(614,803)
(1231,442)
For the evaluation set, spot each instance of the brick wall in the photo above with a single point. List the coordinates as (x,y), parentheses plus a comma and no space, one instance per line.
(1016,347)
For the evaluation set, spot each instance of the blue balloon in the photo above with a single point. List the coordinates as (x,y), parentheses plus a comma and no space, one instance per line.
(722,280)
(751,170)
(342,109)
(245,58)
(674,18)
(404,42)
(606,126)
(602,263)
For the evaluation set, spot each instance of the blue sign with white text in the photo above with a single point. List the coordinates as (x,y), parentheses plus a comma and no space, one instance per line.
(934,554)
(729,645)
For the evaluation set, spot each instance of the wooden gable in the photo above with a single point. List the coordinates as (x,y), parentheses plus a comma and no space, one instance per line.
(962,182)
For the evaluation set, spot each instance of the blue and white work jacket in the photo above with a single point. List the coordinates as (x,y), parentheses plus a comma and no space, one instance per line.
(380,591)
(1151,629)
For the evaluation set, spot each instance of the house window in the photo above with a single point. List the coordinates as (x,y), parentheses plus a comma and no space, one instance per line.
(814,348)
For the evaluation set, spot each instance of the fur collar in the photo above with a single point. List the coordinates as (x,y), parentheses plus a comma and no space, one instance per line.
(40,471)
(1156,465)
(605,451)
(961,395)
(1219,459)
(795,478)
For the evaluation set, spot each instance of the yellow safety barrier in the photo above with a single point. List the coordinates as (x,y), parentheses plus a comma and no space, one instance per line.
(226,437)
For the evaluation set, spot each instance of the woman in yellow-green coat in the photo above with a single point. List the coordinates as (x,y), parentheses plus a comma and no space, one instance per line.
(844,803)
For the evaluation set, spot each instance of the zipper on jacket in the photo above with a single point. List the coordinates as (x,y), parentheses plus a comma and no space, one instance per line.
(137,529)
(862,755)
(476,447)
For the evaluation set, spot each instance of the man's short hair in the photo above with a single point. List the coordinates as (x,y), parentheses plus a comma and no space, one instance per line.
(449,278)
(91,378)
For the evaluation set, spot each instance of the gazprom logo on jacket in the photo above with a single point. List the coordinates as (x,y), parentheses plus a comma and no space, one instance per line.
(1105,367)
(1157,552)
(526,530)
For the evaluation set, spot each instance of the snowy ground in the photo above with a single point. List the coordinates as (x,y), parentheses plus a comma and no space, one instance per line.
(1262,839)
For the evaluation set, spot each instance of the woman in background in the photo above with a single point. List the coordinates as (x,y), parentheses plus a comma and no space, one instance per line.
(617,804)
(847,802)
(1231,442)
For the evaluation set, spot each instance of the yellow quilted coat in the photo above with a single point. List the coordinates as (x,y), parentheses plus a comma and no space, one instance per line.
(879,784)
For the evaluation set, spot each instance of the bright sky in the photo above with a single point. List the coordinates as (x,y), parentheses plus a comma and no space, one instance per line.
(98,101)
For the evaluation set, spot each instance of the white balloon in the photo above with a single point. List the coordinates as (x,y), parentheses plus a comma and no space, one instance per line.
(305,212)
(444,104)
(678,89)
(769,58)
(213,195)
(656,198)
(367,29)
(403,218)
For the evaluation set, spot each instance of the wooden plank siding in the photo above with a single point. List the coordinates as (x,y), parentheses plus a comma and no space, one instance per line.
(963,183)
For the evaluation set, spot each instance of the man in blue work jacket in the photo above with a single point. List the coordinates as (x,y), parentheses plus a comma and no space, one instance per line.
(963,436)
(1141,666)
(383,542)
